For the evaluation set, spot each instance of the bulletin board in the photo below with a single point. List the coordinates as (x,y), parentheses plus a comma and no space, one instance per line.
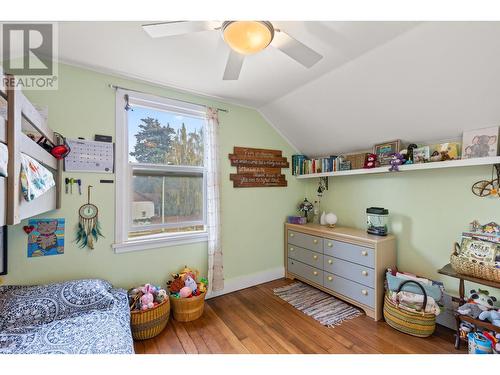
(90,156)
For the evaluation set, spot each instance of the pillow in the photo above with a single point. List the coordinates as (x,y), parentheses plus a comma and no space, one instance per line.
(30,306)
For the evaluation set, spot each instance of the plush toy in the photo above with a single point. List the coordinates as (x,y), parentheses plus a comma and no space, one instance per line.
(190,283)
(396,160)
(188,272)
(477,303)
(147,299)
(161,295)
(186,292)
(370,161)
(176,284)
(492,316)
(202,285)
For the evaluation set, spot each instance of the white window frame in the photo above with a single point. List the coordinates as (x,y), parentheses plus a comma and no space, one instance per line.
(124,172)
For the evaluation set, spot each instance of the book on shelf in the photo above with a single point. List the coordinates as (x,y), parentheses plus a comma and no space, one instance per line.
(301,164)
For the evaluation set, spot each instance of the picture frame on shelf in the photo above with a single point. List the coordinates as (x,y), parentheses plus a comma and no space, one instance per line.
(3,250)
(385,150)
(421,154)
(345,165)
(480,143)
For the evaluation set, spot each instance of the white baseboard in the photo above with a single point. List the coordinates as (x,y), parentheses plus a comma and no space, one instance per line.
(242,282)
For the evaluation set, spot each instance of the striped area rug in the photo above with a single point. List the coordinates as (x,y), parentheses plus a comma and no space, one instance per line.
(323,307)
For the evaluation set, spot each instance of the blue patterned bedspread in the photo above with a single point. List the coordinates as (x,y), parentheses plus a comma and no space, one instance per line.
(74,317)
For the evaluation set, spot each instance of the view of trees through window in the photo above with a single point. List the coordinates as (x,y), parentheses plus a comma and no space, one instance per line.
(163,138)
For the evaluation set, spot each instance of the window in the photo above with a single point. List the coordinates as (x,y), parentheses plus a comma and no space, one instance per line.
(161,178)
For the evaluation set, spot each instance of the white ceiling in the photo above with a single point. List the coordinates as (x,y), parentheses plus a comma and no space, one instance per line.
(196,61)
(429,84)
(378,81)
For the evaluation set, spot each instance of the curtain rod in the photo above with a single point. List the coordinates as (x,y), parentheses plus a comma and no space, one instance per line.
(183,101)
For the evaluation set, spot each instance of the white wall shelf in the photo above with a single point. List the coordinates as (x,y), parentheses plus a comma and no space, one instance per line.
(410,167)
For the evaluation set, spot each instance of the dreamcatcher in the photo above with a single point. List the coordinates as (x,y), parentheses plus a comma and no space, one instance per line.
(89,228)
(485,188)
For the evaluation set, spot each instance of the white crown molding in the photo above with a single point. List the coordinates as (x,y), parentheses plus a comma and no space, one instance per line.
(159,84)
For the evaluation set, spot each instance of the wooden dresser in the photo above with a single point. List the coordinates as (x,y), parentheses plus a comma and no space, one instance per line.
(345,262)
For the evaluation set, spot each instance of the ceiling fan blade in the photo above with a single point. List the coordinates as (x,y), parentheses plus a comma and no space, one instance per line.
(233,66)
(158,30)
(295,49)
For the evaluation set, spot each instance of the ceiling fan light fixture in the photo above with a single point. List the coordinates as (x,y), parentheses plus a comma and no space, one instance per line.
(247,37)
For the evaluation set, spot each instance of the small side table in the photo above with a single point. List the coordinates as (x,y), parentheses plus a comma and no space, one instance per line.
(449,271)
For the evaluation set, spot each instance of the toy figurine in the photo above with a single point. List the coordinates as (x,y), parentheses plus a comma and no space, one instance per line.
(409,153)
(396,161)
(370,161)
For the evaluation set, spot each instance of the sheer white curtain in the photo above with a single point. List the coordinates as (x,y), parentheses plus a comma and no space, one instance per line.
(215,268)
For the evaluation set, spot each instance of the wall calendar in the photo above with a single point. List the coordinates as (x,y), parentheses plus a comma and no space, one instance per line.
(89,156)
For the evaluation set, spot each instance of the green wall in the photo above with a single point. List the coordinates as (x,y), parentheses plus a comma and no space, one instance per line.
(428,211)
(252,218)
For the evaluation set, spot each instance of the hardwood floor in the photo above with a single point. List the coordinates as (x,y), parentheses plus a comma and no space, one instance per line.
(255,321)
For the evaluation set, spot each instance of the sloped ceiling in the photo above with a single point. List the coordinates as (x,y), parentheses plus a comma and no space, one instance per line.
(428,84)
(378,81)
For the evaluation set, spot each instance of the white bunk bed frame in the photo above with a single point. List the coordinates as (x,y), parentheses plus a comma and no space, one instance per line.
(13,207)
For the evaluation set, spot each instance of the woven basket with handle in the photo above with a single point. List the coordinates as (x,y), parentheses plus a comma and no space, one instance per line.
(420,324)
(466,267)
(149,323)
(187,309)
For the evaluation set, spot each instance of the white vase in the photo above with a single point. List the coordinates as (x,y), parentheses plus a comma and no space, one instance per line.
(322,220)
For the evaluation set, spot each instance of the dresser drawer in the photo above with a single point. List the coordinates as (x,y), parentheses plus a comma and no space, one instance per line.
(305,241)
(301,269)
(305,256)
(352,253)
(348,288)
(352,271)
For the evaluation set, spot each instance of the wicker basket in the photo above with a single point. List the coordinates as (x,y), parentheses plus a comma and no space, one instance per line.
(466,267)
(419,324)
(149,323)
(187,309)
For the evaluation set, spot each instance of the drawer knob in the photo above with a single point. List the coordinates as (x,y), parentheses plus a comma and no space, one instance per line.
(364,253)
(330,261)
(315,273)
(364,273)
(330,278)
(291,234)
(292,249)
(364,292)
(315,241)
(315,257)
(330,244)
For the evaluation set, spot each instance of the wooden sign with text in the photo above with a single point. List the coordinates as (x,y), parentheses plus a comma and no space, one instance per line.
(257,167)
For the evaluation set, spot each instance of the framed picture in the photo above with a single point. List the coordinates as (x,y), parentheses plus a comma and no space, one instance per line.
(385,150)
(480,143)
(421,154)
(3,250)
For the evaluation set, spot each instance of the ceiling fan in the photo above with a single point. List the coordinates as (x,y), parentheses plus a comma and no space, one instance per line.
(243,37)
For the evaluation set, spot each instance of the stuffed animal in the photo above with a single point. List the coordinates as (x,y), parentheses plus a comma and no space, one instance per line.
(492,316)
(147,299)
(186,292)
(202,285)
(189,282)
(396,160)
(161,295)
(370,161)
(188,272)
(478,302)
(176,284)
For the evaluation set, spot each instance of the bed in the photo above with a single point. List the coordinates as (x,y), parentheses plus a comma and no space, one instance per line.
(19,117)
(72,317)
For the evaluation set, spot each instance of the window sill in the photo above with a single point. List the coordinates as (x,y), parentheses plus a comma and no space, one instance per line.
(154,242)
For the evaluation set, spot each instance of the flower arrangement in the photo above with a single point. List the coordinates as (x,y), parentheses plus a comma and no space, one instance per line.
(187,283)
(146,297)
